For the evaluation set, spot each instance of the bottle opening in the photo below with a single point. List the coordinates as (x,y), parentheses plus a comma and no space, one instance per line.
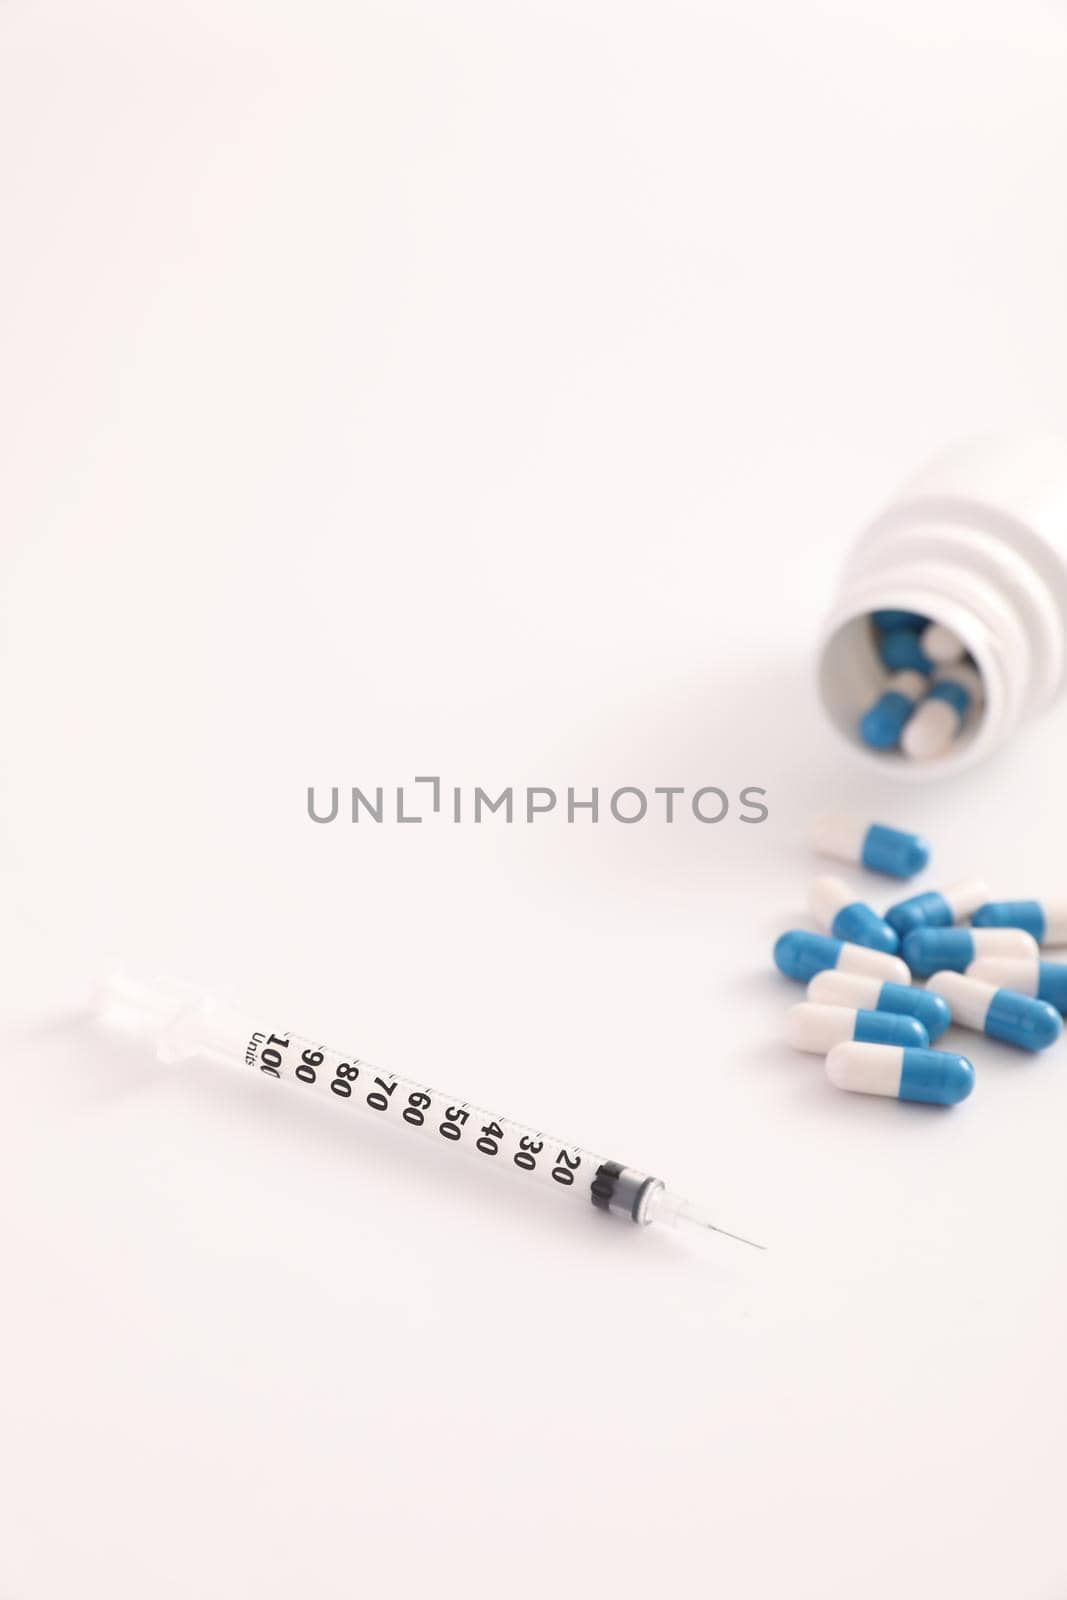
(908,688)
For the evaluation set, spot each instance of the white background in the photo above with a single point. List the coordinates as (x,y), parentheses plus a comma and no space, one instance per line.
(491,390)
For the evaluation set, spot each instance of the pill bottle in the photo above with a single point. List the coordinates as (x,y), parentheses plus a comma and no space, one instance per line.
(978,543)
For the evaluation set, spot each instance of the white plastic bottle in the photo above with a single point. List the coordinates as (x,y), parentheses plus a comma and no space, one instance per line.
(978,543)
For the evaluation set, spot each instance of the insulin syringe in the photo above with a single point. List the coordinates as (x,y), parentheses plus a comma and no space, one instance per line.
(186,1024)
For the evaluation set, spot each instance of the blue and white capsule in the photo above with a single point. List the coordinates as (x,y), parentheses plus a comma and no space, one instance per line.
(883,722)
(938,908)
(936,1077)
(818,1028)
(1041,980)
(869,844)
(901,651)
(837,910)
(936,723)
(871,994)
(941,645)
(800,955)
(1002,1014)
(890,621)
(929,950)
(1045,919)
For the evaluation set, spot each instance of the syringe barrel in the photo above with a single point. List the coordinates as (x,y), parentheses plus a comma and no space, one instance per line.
(185,1025)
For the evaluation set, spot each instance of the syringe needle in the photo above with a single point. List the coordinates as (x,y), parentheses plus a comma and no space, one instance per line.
(668,1206)
(739,1237)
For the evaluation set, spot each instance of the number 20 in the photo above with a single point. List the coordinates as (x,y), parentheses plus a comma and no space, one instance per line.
(565,1168)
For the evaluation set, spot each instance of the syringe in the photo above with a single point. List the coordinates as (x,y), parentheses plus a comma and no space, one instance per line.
(187,1023)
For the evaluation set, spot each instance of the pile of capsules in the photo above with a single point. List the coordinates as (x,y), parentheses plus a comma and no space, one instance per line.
(931,685)
(864,1009)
